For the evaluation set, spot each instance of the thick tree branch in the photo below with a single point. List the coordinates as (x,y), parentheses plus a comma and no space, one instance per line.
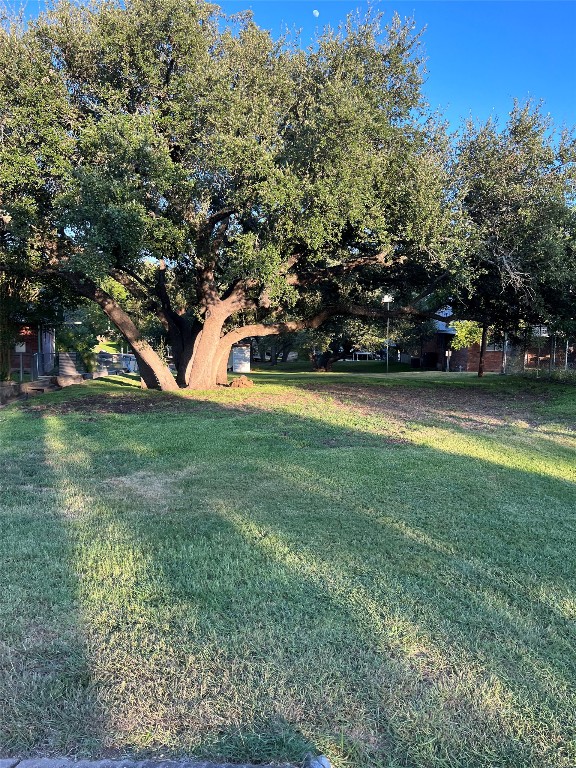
(354,310)
(359,310)
(288,326)
(430,288)
(214,219)
(207,247)
(308,277)
(235,298)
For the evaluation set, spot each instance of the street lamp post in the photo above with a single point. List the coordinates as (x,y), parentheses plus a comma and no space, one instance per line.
(387,300)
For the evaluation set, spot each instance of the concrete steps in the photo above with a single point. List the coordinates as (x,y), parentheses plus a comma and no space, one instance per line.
(39,386)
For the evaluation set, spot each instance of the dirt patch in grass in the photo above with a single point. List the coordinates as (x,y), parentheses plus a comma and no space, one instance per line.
(154,487)
(104,405)
(469,409)
(153,402)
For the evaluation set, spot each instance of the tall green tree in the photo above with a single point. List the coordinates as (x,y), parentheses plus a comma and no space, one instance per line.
(236,186)
(517,185)
(35,149)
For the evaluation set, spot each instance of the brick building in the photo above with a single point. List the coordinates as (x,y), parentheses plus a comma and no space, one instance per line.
(35,350)
(543,352)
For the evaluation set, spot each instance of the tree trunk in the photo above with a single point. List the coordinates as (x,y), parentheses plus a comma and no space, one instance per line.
(483,348)
(261,344)
(504,355)
(6,346)
(189,336)
(274,352)
(221,363)
(205,363)
(154,372)
(8,331)
(182,332)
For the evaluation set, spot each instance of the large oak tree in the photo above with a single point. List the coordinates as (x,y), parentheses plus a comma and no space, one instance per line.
(233,185)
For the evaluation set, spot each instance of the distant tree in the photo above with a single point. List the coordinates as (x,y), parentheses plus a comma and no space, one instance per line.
(410,335)
(338,338)
(468,332)
(275,348)
(517,187)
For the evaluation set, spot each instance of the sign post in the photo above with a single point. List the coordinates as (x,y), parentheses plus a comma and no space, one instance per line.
(387,300)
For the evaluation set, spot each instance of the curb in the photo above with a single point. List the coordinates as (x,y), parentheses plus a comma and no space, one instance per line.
(64,762)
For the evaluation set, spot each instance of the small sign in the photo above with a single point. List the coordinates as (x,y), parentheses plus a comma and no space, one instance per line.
(241,359)
(20,348)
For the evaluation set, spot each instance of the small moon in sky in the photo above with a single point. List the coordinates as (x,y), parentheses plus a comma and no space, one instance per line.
(316,13)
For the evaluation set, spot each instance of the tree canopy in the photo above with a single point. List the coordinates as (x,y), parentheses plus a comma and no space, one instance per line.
(237,186)
(518,186)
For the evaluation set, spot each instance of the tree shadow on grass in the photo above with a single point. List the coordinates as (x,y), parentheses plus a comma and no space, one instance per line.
(244,507)
(262,582)
(48,705)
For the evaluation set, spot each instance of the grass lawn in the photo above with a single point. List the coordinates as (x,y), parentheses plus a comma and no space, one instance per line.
(380,569)
(113,347)
(342,366)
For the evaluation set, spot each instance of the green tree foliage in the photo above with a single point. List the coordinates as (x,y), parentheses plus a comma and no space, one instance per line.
(410,335)
(337,338)
(517,186)
(35,151)
(517,190)
(237,186)
(468,332)
(226,179)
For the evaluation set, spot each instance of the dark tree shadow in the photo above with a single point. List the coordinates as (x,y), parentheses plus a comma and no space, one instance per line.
(48,703)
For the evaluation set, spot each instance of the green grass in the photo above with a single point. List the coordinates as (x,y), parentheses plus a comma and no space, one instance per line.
(380,569)
(114,347)
(342,366)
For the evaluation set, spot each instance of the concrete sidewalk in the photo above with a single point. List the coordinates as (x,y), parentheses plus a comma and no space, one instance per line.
(64,762)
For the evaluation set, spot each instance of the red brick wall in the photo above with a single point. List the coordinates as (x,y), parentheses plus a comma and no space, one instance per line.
(459,360)
(469,358)
(492,360)
(28,336)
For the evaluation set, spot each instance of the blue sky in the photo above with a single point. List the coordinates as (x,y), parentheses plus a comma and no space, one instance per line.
(481,54)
